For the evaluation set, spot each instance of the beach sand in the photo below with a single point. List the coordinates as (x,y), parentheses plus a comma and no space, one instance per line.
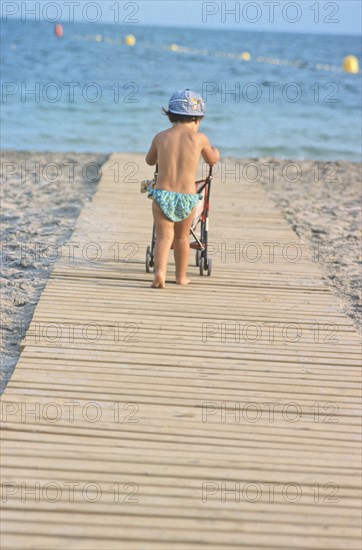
(324,209)
(39,212)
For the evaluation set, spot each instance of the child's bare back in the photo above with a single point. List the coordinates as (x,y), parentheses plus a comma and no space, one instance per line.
(177,151)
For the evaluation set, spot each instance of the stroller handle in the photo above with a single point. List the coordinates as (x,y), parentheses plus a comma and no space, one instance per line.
(208,177)
(205,182)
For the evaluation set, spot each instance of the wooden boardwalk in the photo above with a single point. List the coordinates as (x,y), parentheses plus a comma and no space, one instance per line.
(219,416)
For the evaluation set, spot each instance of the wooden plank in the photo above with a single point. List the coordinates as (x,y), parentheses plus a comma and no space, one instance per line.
(168,373)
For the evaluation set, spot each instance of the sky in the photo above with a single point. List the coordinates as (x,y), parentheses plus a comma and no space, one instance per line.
(312,16)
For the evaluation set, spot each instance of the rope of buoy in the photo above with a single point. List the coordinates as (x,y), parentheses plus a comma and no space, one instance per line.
(350,63)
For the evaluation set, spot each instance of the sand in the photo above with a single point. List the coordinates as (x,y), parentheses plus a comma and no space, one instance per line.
(324,208)
(39,214)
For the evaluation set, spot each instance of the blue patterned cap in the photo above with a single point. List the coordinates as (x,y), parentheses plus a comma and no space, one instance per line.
(187,102)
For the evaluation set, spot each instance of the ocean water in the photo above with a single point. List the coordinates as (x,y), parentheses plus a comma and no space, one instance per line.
(78,94)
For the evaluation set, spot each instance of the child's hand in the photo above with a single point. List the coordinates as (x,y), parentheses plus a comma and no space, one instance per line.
(210,154)
(216,155)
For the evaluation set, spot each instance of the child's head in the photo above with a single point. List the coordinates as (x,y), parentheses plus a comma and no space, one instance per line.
(185,106)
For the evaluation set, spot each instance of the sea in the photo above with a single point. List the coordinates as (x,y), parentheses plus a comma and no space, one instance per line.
(267,94)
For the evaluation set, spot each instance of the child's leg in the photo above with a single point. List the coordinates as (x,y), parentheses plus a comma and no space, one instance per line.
(164,238)
(181,248)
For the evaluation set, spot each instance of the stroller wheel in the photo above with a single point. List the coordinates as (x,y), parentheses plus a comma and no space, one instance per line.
(197,261)
(209,268)
(201,267)
(148,259)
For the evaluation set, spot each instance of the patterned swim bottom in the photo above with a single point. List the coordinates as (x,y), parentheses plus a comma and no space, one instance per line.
(175,206)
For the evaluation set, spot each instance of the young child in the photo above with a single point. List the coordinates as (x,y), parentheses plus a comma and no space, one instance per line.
(177,152)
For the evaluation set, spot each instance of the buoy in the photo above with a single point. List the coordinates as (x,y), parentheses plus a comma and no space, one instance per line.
(351,64)
(245,56)
(58,30)
(99,38)
(130,40)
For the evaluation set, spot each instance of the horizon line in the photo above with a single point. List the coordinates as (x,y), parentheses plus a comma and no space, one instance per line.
(173,26)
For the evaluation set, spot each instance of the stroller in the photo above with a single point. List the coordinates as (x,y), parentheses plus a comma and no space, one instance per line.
(201,220)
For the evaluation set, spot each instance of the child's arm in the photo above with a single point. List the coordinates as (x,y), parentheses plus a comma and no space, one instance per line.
(210,154)
(151,157)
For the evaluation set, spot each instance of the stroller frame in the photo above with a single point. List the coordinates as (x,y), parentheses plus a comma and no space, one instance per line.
(200,243)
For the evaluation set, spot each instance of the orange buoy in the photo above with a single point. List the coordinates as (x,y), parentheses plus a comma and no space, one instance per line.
(58,30)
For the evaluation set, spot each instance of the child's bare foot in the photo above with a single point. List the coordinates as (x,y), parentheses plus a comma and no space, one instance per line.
(183,281)
(158,282)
